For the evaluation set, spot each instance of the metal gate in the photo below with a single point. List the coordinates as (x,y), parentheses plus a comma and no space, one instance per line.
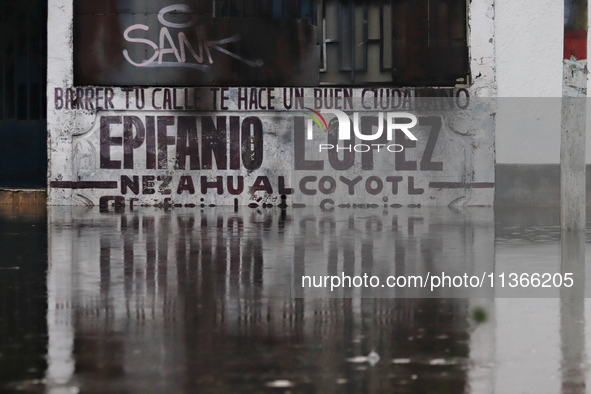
(23,62)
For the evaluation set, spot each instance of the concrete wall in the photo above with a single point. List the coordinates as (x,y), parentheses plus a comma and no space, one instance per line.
(81,137)
(529,49)
(525,40)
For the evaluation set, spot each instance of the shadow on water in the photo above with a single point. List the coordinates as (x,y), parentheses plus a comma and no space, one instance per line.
(190,300)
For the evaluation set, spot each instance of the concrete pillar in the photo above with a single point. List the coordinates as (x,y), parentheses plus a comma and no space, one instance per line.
(574,93)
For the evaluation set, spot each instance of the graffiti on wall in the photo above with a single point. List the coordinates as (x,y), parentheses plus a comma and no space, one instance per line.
(177,45)
(200,51)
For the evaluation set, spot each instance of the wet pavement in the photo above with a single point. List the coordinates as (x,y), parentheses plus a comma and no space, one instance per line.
(208,301)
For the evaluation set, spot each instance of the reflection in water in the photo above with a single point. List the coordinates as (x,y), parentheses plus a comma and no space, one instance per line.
(23,303)
(572,313)
(193,301)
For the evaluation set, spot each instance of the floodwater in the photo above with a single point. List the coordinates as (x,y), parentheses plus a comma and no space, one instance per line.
(210,301)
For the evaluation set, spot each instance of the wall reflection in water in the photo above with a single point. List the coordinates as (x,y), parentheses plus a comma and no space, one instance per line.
(201,301)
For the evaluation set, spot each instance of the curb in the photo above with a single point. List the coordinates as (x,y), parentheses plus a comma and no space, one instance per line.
(23,197)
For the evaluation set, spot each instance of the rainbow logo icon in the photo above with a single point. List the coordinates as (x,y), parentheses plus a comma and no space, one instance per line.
(317,117)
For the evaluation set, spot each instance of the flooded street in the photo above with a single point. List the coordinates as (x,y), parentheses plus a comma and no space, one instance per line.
(210,300)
